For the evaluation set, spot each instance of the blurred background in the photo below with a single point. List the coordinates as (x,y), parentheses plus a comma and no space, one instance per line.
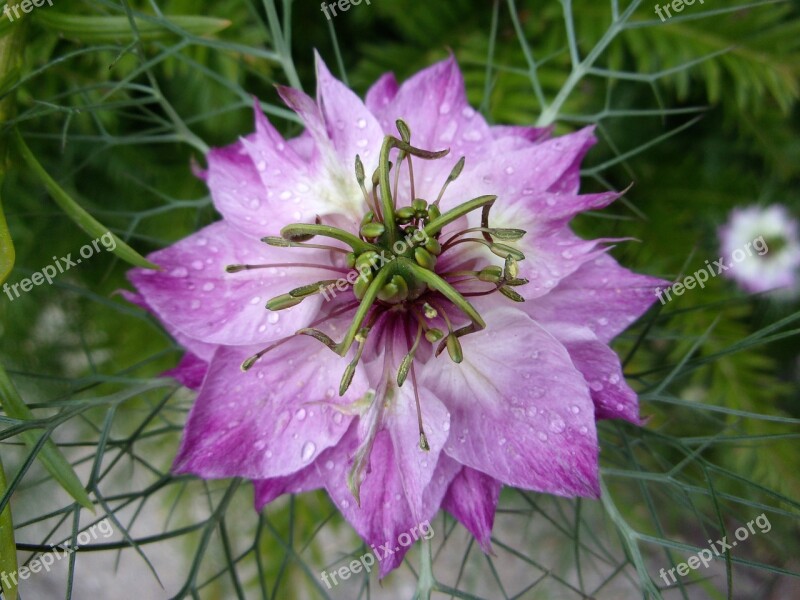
(105,105)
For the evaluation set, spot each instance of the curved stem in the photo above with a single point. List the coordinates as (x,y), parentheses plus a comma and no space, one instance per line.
(301,230)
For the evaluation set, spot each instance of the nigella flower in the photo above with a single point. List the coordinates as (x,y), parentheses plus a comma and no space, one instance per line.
(433,329)
(765,246)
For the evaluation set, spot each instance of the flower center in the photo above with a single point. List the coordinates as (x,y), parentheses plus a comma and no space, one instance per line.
(393,260)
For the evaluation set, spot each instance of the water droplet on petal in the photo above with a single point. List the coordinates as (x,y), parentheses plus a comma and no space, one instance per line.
(557,425)
(361,123)
(207,287)
(337,418)
(542,436)
(273,317)
(308,451)
(575,409)
(268,454)
(179,272)
(329,465)
(300,414)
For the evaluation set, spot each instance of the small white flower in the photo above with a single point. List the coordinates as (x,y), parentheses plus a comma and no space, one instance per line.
(763,248)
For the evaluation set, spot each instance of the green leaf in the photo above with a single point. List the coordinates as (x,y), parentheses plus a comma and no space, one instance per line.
(52,458)
(7,255)
(8,547)
(110,29)
(74,211)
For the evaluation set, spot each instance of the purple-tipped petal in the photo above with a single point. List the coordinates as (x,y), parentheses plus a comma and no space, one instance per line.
(416,465)
(193,293)
(601,295)
(190,371)
(384,515)
(267,490)
(472,499)
(520,410)
(353,129)
(600,366)
(271,421)
(381,93)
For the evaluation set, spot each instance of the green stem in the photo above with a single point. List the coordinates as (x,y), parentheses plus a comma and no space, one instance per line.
(369,298)
(302,231)
(435,226)
(438,284)
(426,582)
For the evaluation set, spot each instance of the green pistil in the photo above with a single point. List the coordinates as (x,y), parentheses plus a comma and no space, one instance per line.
(396,251)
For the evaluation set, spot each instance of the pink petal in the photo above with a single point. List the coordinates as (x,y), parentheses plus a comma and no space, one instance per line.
(472,499)
(416,465)
(549,166)
(600,295)
(600,366)
(382,92)
(193,293)
(190,371)
(352,127)
(267,490)
(271,421)
(384,515)
(524,417)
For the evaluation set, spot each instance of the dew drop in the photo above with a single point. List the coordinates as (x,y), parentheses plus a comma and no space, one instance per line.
(557,425)
(268,454)
(444,108)
(285,195)
(207,287)
(468,112)
(255,300)
(613,379)
(361,123)
(308,451)
(260,445)
(362,143)
(345,503)
(329,465)
(509,170)
(542,436)
(179,272)
(575,409)
(300,414)
(337,418)
(273,318)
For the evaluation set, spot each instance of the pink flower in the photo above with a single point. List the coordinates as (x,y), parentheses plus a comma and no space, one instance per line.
(430,382)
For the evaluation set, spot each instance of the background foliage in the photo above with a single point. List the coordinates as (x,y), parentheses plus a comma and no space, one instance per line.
(117,98)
